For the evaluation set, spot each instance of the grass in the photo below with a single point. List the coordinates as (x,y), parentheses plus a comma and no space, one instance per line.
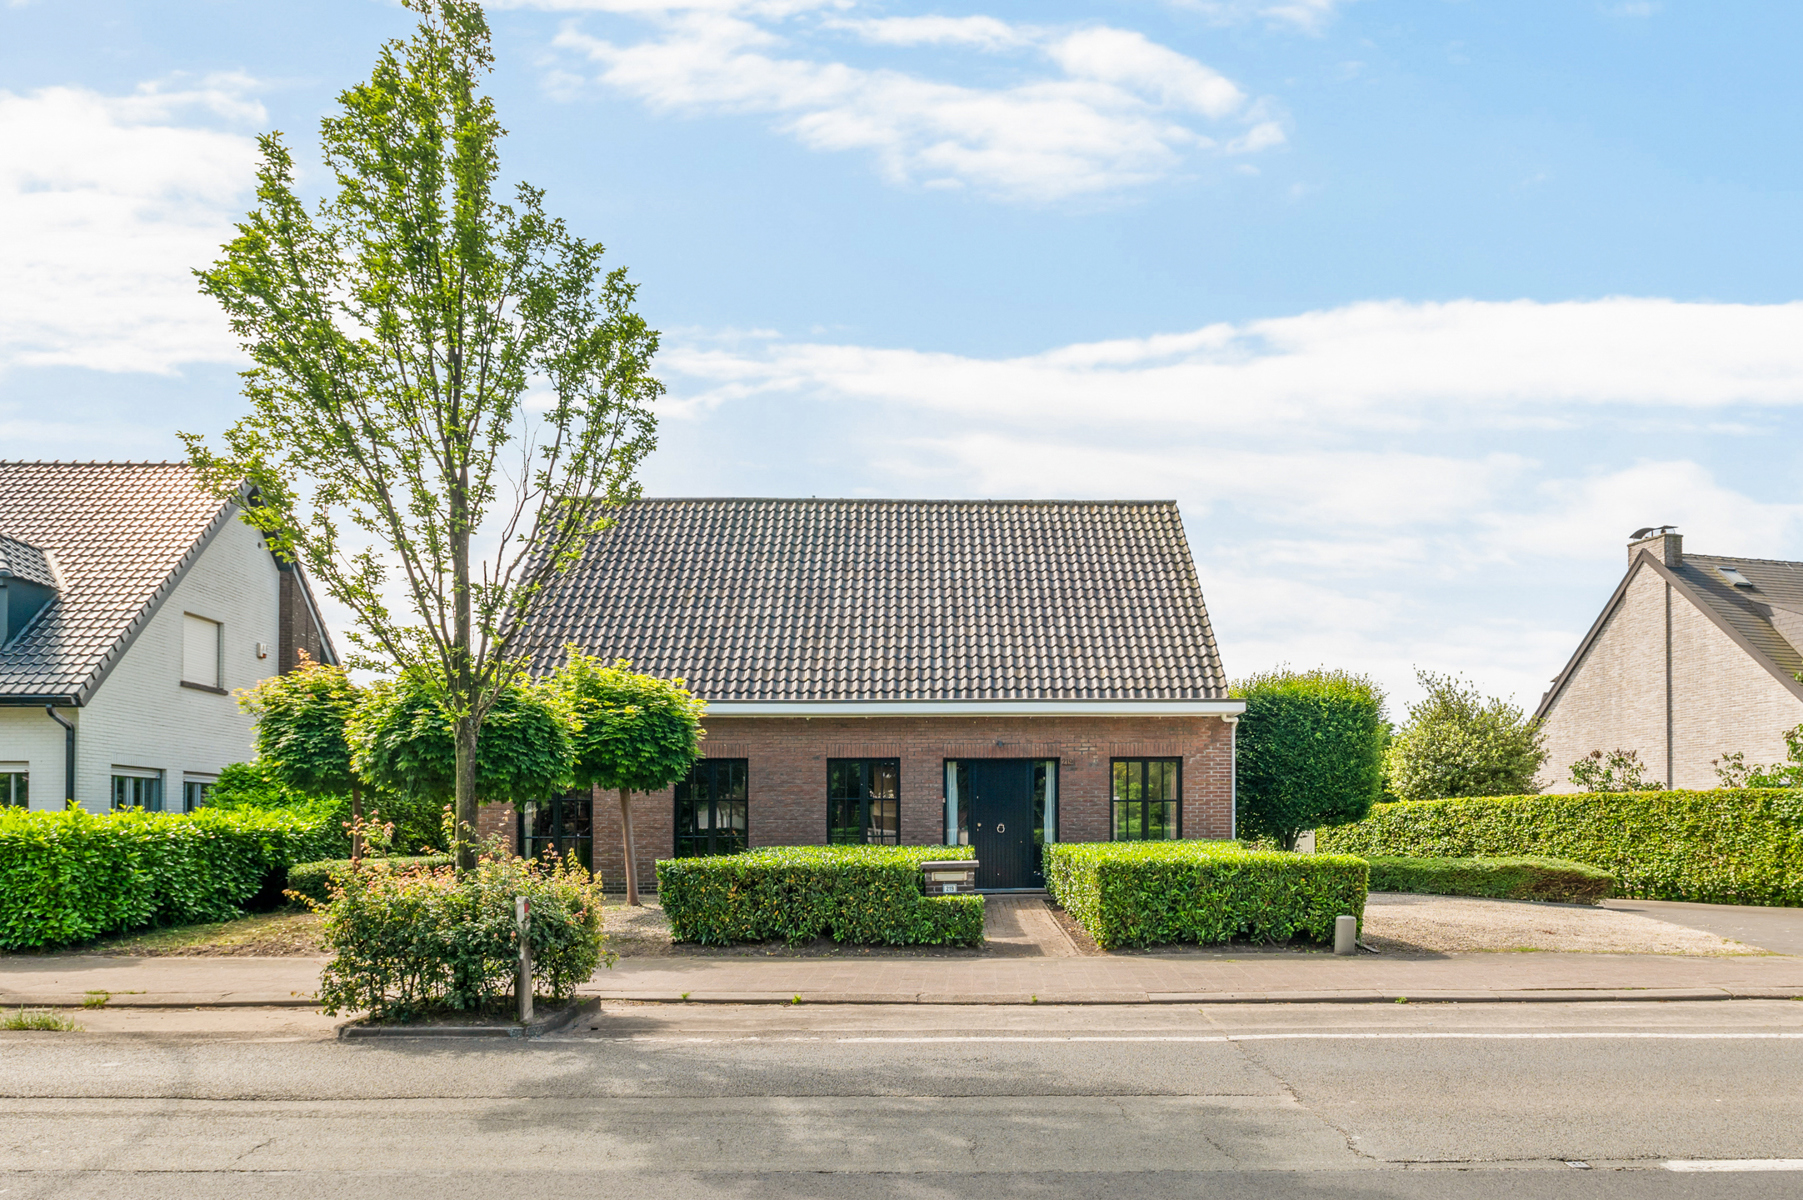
(262,935)
(95,998)
(39,1019)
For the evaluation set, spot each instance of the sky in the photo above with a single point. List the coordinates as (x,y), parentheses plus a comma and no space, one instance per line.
(1418,309)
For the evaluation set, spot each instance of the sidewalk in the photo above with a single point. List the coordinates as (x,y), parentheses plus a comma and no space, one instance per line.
(1249,977)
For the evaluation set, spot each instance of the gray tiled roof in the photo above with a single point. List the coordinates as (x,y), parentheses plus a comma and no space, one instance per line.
(121,533)
(893,600)
(1769,614)
(21,560)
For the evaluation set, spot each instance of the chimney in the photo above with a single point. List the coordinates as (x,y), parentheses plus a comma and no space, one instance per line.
(1663,542)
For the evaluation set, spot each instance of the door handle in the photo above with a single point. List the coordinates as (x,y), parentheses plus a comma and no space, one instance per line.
(1000,828)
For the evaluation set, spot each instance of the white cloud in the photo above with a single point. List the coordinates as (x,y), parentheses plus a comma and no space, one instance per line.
(108,202)
(1309,16)
(1096,109)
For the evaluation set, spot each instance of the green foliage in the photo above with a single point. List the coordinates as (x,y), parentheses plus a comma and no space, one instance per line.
(633,732)
(1310,751)
(403,741)
(314,881)
(1153,893)
(39,1019)
(417,821)
(252,785)
(1617,771)
(1717,847)
(859,894)
(72,876)
(300,728)
(1734,771)
(406,942)
(1457,743)
(1522,878)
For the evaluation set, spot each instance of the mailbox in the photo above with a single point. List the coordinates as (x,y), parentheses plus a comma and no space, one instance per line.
(950,878)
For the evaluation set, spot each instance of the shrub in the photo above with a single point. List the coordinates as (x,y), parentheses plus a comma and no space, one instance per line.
(1310,752)
(1152,893)
(1457,743)
(1525,878)
(860,894)
(407,942)
(314,880)
(1719,847)
(1618,771)
(72,876)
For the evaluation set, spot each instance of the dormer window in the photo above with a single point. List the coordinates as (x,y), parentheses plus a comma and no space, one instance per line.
(27,585)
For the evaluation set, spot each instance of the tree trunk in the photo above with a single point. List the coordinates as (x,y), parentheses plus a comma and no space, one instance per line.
(632,860)
(465,812)
(356,823)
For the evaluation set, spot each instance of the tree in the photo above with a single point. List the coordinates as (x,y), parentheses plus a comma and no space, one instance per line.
(1310,751)
(404,739)
(634,733)
(394,333)
(1617,771)
(1733,770)
(300,719)
(1457,743)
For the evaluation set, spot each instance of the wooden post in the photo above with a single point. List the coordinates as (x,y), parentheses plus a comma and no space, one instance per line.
(632,865)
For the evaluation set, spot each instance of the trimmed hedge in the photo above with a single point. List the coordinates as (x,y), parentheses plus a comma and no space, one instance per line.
(1152,893)
(1499,878)
(1727,846)
(860,894)
(73,876)
(314,880)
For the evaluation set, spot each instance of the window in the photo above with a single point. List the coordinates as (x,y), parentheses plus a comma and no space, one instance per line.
(134,787)
(710,808)
(556,829)
(863,801)
(1148,795)
(201,643)
(14,792)
(195,793)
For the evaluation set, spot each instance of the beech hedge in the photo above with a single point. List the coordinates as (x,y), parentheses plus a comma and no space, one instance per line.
(314,880)
(1725,846)
(859,894)
(1153,893)
(1524,878)
(73,876)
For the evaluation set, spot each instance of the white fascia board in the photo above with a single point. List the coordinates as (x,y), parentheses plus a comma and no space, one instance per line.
(975,708)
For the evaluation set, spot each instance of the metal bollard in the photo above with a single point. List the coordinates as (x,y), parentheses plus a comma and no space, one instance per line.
(1345,935)
(522,913)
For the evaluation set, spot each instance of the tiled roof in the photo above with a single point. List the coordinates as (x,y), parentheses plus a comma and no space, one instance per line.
(21,560)
(121,534)
(1769,614)
(892,600)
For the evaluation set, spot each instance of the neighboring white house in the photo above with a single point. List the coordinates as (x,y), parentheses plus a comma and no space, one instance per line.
(132,606)
(1694,656)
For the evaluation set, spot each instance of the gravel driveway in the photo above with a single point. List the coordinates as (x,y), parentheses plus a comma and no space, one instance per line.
(1400,922)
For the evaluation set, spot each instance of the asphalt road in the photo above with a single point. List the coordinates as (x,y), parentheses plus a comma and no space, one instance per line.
(1779,930)
(849,1102)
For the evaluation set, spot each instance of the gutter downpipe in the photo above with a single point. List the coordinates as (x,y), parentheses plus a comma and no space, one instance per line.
(68,754)
(1233,776)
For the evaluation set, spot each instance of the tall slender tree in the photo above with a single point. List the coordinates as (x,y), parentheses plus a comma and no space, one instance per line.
(395,330)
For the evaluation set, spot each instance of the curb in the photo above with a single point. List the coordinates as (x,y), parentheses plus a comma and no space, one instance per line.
(351,1031)
(1525,996)
(164,1000)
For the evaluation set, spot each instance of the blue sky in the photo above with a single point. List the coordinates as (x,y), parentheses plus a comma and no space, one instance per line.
(1418,308)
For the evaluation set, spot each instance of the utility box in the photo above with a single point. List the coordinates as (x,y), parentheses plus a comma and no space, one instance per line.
(950,878)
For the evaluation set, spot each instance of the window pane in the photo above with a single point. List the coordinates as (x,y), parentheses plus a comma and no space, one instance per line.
(843,777)
(1161,781)
(885,825)
(883,779)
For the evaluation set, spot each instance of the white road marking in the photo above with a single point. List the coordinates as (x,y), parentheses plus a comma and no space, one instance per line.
(1735,1164)
(1611,1035)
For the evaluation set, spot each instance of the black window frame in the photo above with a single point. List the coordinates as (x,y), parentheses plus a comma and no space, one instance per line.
(558,827)
(197,793)
(15,789)
(1116,804)
(151,801)
(698,844)
(837,798)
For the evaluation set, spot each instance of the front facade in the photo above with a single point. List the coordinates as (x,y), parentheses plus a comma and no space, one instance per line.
(152,605)
(1693,657)
(992,674)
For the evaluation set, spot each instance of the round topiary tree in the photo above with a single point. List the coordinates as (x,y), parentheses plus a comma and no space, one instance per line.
(1310,751)
(300,734)
(633,733)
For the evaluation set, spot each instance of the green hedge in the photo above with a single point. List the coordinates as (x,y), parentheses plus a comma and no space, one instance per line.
(1152,893)
(861,894)
(72,876)
(314,880)
(1500,878)
(1727,846)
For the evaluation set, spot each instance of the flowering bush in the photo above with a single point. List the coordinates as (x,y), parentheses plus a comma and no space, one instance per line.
(405,942)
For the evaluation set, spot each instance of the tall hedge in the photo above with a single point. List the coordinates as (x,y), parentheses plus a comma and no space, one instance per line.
(72,876)
(1727,846)
(1310,752)
(859,894)
(1152,893)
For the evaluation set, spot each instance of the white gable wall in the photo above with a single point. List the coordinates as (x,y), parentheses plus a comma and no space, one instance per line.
(142,716)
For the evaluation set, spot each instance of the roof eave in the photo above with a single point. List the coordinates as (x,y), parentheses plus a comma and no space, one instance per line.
(975,708)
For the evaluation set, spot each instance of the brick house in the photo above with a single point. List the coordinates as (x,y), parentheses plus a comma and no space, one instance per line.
(1693,656)
(997,674)
(132,605)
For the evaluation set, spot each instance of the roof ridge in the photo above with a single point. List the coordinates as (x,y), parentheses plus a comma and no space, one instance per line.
(873,500)
(94,462)
(1777,562)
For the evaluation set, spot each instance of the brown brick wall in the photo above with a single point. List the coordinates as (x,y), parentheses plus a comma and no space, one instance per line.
(297,631)
(787,775)
(497,820)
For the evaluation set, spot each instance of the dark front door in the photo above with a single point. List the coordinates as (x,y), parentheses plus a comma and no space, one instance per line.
(1001,821)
